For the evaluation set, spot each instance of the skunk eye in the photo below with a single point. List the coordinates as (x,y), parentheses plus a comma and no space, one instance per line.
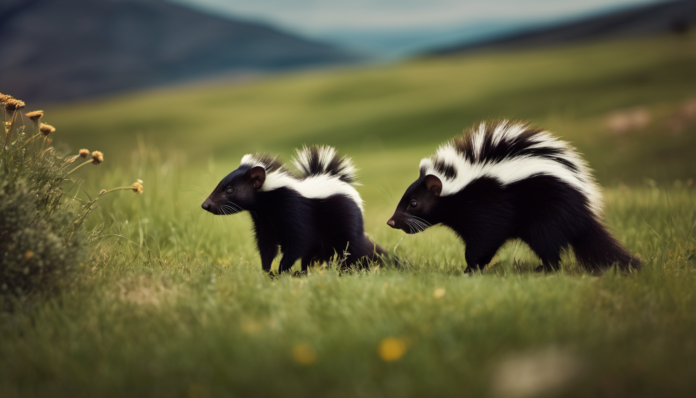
(413,203)
(228,190)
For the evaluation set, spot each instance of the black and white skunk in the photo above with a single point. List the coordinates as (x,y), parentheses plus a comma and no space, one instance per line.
(312,217)
(505,180)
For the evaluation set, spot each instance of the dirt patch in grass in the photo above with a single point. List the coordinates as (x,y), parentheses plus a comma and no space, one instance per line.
(146,291)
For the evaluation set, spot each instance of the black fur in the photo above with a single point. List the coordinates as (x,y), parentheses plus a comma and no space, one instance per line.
(545,212)
(313,230)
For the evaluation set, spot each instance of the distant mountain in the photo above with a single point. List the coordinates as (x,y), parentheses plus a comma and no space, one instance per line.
(68,49)
(675,16)
(396,43)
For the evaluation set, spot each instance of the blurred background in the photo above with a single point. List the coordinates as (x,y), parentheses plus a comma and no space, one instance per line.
(199,83)
(74,49)
(362,52)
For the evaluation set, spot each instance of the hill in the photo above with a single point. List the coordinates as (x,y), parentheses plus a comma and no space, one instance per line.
(676,16)
(67,49)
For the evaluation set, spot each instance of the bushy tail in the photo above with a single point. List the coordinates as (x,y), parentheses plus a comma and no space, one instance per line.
(597,249)
(323,160)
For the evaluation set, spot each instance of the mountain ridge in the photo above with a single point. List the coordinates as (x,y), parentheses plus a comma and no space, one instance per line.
(624,23)
(56,50)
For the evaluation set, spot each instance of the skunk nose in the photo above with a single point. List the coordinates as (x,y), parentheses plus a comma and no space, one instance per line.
(206,206)
(391,222)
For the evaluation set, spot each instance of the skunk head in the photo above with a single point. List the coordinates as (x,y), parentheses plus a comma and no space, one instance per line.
(237,191)
(417,209)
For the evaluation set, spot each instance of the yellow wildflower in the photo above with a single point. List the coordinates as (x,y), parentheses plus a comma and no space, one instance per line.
(392,349)
(304,354)
(35,115)
(97,157)
(13,104)
(137,187)
(47,129)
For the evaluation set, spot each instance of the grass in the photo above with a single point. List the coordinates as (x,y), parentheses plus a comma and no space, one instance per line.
(174,302)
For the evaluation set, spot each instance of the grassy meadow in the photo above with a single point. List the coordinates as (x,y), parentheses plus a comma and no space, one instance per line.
(174,302)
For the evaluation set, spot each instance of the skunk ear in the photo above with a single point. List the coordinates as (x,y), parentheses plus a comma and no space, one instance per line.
(257,175)
(433,184)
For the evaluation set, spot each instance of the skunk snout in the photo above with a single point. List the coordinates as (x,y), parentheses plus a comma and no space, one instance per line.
(402,221)
(207,205)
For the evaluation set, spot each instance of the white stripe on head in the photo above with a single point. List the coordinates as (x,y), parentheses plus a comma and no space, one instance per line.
(249,160)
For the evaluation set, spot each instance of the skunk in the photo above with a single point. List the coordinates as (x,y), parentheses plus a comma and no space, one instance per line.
(505,180)
(312,216)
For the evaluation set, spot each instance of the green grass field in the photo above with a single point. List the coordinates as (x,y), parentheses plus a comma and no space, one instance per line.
(174,302)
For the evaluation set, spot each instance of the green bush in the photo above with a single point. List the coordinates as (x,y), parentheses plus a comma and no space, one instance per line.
(42,240)
(39,245)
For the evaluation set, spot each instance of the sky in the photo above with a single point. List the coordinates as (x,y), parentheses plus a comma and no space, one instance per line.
(316,17)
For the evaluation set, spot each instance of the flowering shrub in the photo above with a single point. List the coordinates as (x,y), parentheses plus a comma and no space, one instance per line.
(42,239)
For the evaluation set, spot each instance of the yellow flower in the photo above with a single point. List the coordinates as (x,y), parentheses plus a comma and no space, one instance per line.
(84,153)
(137,187)
(13,104)
(438,293)
(392,348)
(34,116)
(47,129)
(304,354)
(97,157)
